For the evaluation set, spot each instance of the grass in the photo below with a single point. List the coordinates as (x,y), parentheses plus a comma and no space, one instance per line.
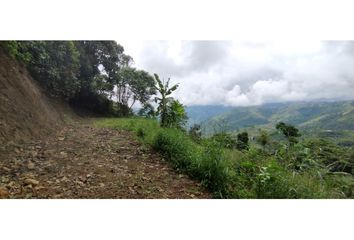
(201,162)
(229,173)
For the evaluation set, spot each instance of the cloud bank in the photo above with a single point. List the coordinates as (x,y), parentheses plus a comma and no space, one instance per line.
(250,73)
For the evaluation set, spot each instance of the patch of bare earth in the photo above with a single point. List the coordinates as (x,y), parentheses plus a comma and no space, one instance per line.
(85,162)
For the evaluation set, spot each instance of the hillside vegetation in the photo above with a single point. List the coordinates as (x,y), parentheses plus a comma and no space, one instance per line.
(333,120)
(271,151)
(313,169)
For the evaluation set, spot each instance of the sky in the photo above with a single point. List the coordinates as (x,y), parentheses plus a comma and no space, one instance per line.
(246,73)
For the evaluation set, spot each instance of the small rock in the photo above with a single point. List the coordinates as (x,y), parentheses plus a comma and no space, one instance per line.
(61,138)
(6,169)
(64,154)
(102,185)
(80,183)
(30,165)
(39,188)
(30,181)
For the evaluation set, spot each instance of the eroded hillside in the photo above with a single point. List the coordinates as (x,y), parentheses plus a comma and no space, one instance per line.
(25,111)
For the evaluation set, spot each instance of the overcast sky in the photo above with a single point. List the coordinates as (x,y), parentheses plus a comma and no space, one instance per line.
(249,73)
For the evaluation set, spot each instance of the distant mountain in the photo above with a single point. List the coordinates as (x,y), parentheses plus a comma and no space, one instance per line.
(198,114)
(308,116)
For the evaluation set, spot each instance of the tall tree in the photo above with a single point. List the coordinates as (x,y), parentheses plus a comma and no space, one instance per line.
(289,131)
(133,85)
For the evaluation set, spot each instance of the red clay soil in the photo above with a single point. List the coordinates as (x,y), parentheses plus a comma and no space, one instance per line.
(81,161)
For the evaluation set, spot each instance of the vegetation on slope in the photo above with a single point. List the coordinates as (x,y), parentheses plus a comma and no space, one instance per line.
(85,73)
(89,73)
(306,172)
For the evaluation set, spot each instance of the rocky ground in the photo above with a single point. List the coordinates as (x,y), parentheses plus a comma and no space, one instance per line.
(86,162)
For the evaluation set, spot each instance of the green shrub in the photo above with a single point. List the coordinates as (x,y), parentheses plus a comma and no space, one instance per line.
(225,140)
(230,173)
(271,182)
(141,133)
(242,141)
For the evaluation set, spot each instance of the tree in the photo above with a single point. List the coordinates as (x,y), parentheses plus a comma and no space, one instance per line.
(55,64)
(263,138)
(242,141)
(100,62)
(164,101)
(289,131)
(133,85)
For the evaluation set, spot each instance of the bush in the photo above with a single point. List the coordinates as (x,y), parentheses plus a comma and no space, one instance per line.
(271,182)
(242,141)
(230,173)
(224,140)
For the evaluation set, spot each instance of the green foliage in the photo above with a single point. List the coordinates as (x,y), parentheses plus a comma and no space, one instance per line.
(84,72)
(330,119)
(230,173)
(224,140)
(332,156)
(213,170)
(263,138)
(242,141)
(205,163)
(55,64)
(133,85)
(16,50)
(175,115)
(289,131)
(147,111)
(166,104)
(177,148)
(141,133)
(195,133)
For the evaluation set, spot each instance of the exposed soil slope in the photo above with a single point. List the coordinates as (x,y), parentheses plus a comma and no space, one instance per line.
(25,111)
(85,162)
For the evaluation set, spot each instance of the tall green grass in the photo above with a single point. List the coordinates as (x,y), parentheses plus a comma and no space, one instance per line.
(229,173)
(205,162)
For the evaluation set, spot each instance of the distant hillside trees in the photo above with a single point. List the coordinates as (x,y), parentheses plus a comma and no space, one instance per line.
(289,131)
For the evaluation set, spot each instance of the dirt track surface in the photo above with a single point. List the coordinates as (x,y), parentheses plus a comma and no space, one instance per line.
(86,162)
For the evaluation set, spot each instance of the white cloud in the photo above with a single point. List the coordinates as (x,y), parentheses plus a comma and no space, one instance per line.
(250,73)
